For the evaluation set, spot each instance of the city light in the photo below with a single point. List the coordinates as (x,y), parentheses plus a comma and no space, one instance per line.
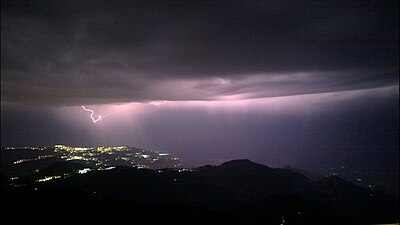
(47,178)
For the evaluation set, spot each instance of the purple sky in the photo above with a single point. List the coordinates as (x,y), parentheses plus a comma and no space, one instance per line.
(293,82)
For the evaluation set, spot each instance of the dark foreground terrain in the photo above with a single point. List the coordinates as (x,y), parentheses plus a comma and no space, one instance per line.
(236,192)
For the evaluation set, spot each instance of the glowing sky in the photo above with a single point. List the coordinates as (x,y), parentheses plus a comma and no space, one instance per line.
(275,81)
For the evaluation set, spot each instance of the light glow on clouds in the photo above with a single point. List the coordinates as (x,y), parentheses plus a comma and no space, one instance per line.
(208,89)
(306,103)
(282,103)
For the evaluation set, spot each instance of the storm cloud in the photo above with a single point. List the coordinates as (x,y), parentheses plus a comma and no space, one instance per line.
(66,53)
(307,83)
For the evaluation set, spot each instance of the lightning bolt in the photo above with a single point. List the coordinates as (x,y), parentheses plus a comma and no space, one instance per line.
(91,115)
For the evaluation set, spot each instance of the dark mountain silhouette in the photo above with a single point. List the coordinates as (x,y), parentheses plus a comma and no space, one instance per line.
(309,174)
(237,191)
(243,165)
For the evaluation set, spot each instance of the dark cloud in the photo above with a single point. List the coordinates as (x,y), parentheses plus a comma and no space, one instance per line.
(74,52)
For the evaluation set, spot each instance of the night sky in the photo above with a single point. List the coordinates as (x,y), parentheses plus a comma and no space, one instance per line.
(278,82)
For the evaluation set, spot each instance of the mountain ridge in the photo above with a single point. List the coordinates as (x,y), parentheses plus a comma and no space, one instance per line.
(239,189)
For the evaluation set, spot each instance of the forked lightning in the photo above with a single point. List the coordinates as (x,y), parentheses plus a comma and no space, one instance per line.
(91,115)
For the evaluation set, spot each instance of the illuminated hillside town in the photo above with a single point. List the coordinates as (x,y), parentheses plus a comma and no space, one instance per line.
(19,162)
(92,158)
